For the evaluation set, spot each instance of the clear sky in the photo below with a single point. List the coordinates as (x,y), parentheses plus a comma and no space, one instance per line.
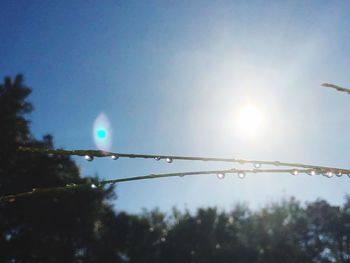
(172,78)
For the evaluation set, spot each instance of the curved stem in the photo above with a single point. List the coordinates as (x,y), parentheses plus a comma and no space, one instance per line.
(96,153)
(14,197)
(338,88)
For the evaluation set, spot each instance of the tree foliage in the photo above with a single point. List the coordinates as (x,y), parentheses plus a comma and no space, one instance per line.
(67,226)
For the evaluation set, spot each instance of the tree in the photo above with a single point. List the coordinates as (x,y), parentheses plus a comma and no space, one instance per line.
(67,226)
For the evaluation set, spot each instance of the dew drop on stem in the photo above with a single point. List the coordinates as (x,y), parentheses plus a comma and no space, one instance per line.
(89,158)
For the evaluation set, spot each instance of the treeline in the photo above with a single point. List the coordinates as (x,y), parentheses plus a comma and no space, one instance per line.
(81,226)
(281,232)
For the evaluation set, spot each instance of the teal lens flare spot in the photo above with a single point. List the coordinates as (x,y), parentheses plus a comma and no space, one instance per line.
(101,134)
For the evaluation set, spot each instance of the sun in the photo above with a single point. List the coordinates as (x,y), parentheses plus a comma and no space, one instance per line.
(250,120)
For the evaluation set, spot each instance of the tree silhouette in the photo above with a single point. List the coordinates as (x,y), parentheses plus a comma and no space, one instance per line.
(69,226)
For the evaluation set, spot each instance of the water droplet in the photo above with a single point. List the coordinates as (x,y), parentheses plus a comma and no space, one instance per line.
(257,165)
(217,246)
(93,186)
(163,239)
(312,172)
(89,158)
(157,158)
(295,172)
(193,252)
(241,175)
(220,175)
(339,174)
(151,229)
(114,157)
(169,160)
(329,174)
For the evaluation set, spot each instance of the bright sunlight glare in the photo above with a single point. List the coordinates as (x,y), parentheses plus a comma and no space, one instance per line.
(250,121)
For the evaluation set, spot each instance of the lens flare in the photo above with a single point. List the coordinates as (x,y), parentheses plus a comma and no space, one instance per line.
(102,133)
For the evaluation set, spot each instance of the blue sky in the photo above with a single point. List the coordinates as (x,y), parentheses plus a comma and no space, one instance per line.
(171,77)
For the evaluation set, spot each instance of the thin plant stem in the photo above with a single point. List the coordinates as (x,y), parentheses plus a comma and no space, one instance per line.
(338,88)
(240,172)
(103,154)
